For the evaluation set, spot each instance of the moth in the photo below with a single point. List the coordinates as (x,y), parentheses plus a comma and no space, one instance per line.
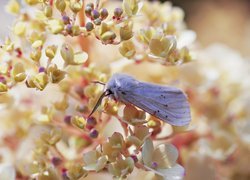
(167,103)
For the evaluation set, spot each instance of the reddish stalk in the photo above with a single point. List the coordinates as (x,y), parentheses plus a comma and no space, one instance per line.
(83,41)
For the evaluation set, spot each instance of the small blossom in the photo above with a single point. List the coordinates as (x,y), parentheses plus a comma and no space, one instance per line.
(76,171)
(122,167)
(162,46)
(126,31)
(35,55)
(162,159)
(131,7)
(20,28)
(93,160)
(75,5)
(114,146)
(55,74)
(18,72)
(52,137)
(55,26)
(127,49)
(38,81)
(50,51)
(71,58)
(141,133)
(133,116)
(13,7)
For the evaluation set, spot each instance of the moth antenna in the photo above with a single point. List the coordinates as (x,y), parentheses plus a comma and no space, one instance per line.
(98,82)
(104,94)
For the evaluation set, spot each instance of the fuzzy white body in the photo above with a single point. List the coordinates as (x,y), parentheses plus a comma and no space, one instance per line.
(164,102)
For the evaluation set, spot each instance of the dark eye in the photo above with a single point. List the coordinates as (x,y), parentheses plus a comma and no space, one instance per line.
(108,92)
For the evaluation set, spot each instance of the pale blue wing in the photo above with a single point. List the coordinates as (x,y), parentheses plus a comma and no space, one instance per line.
(166,103)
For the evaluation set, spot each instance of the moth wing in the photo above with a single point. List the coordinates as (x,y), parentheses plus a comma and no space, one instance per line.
(169,104)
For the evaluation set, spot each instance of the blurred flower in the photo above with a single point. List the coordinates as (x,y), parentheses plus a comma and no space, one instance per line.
(162,160)
(93,160)
(121,168)
(114,146)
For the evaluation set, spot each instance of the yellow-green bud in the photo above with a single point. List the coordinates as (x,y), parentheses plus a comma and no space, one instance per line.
(50,51)
(48,11)
(127,49)
(126,32)
(76,5)
(79,122)
(56,75)
(35,55)
(108,36)
(67,53)
(3,87)
(18,72)
(60,5)
(32,2)
(55,25)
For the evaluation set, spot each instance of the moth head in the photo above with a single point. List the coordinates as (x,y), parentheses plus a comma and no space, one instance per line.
(99,101)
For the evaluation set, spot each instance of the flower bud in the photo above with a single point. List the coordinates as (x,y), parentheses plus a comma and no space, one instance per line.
(35,55)
(41,69)
(118,12)
(104,13)
(97,21)
(37,44)
(90,5)
(38,81)
(127,49)
(60,5)
(126,32)
(89,26)
(50,51)
(67,53)
(65,19)
(75,5)
(48,11)
(108,36)
(67,120)
(20,28)
(76,30)
(55,26)
(79,122)
(3,87)
(93,133)
(18,72)
(13,7)
(95,14)
(91,121)
(69,28)
(32,2)
(55,74)
(88,11)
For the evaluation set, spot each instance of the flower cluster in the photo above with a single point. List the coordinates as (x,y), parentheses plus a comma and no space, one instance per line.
(48,66)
